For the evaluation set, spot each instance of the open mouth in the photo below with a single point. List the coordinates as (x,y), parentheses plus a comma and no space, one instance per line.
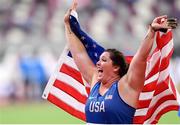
(100,74)
(100,71)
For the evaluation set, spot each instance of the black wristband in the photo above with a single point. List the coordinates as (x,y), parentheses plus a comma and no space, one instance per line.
(163,30)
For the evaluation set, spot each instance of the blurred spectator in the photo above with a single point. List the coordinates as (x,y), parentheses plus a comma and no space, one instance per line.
(34,76)
(100,25)
(11,86)
(47,60)
(50,5)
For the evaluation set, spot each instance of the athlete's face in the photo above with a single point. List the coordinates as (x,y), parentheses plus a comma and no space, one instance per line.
(105,67)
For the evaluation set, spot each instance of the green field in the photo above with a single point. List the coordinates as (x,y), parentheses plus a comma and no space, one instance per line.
(47,113)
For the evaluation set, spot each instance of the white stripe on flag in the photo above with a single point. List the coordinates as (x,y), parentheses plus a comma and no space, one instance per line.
(151,79)
(69,100)
(151,63)
(159,96)
(146,95)
(167,49)
(141,112)
(74,13)
(178,97)
(163,75)
(69,80)
(161,107)
(53,76)
(69,61)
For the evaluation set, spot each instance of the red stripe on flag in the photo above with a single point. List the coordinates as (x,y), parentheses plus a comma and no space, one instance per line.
(155,50)
(154,70)
(142,118)
(71,72)
(150,87)
(128,59)
(139,119)
(143,103)
(158,103)
(163,40)
(163,111)
(165,61)
(61,104)
(88,89)
(70,90)
(162,86)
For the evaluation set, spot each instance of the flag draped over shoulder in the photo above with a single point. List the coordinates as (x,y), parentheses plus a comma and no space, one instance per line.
(68,90)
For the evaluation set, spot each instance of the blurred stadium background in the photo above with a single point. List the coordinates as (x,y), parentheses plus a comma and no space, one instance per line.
(32,39)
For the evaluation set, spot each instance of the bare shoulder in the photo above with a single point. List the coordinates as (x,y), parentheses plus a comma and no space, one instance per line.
(123,85)
(127,93)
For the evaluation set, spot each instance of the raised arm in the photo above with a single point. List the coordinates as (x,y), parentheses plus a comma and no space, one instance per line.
(136,72)
(80,56)
(85,38)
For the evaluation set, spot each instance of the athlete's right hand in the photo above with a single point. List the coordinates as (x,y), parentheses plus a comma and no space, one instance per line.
(73,7)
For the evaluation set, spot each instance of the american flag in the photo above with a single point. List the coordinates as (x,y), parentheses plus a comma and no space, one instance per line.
(68,90)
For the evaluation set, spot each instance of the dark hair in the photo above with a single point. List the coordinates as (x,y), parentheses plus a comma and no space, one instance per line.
(118,59)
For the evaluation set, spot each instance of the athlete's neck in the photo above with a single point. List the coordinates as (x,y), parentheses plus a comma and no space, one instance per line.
(104,86)
(107,83)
